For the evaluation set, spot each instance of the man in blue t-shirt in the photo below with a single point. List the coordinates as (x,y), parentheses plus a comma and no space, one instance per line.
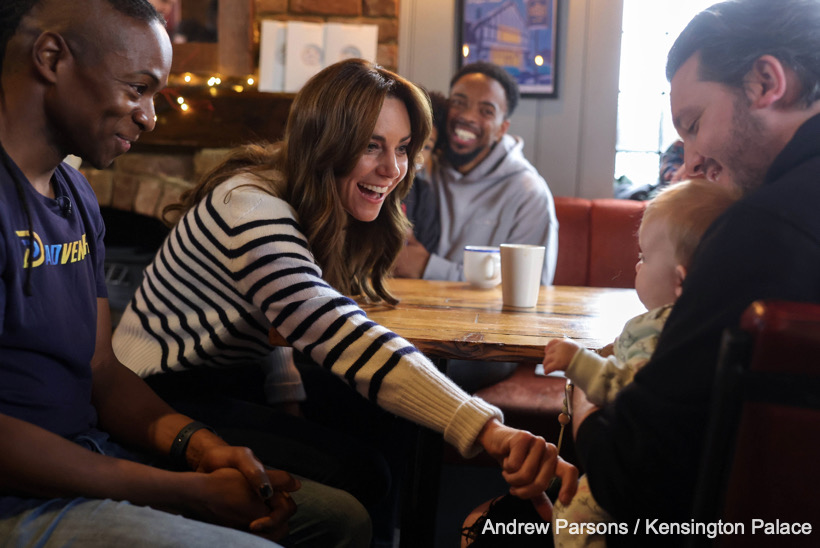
(80,78)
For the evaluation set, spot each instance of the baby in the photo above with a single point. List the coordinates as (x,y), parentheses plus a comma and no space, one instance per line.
(670,230)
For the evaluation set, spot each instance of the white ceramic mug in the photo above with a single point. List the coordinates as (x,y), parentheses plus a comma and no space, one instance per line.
(482,266)
(521,267)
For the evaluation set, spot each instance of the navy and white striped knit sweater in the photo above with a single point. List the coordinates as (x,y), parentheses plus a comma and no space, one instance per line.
(238,263)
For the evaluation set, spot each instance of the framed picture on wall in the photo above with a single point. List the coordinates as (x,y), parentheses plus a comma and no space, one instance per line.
(519,35)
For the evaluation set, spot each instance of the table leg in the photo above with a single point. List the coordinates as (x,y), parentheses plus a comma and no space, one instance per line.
(421,487)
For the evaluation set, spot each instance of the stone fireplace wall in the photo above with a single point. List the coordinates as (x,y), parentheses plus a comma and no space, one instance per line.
(144,183)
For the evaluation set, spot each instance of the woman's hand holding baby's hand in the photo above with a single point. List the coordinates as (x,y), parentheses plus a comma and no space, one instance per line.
(528,462)
(558,354)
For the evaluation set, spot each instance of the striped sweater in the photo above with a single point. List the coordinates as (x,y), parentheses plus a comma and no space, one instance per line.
(236,264)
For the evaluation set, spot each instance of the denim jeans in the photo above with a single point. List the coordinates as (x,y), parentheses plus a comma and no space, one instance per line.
(325,517)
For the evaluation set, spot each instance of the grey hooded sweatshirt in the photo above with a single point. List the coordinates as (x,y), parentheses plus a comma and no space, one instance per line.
(502,200)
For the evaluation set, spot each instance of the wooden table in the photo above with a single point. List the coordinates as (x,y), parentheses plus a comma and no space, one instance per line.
(454,320)
(447,320)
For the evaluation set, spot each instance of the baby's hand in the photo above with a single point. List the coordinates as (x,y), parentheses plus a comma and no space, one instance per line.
(606,351)
(558,353)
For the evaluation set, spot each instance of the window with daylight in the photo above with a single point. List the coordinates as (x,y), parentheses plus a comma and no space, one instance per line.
(645,127)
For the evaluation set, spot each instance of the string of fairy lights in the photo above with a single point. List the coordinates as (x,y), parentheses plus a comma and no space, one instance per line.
(179,85)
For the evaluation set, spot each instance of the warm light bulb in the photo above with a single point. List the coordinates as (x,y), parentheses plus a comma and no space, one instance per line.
(539,60)
(251,81)
(184,107)
(239,89)
(180,100)
(465,50)
(187,78)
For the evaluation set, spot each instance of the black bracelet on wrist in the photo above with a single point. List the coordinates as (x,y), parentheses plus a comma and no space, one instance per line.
(177,453)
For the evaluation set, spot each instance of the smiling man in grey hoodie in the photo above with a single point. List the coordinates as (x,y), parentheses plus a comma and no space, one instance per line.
(488,193)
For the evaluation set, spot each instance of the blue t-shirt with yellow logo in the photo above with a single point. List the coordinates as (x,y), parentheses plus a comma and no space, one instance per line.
(47,337)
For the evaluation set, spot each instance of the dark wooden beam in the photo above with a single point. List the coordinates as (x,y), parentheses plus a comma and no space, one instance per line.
(216,118)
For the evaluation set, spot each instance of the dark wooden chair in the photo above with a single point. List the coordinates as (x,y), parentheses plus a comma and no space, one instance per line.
(761,459)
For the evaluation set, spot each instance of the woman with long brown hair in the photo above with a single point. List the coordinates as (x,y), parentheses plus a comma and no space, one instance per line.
(276,236)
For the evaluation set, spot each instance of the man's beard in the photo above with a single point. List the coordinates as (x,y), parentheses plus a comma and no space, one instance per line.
(749,154)
(457,160)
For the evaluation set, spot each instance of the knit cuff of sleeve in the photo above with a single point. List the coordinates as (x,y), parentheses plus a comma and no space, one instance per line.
(470,418)
(585,366)
(283,383)
(279,392)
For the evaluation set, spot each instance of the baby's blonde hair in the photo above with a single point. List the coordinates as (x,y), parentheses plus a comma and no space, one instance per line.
(688,208)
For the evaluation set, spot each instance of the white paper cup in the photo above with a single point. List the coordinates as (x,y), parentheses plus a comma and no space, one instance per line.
(482,266)
(521,266)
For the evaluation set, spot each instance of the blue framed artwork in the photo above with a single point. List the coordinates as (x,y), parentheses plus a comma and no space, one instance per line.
(519,35)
